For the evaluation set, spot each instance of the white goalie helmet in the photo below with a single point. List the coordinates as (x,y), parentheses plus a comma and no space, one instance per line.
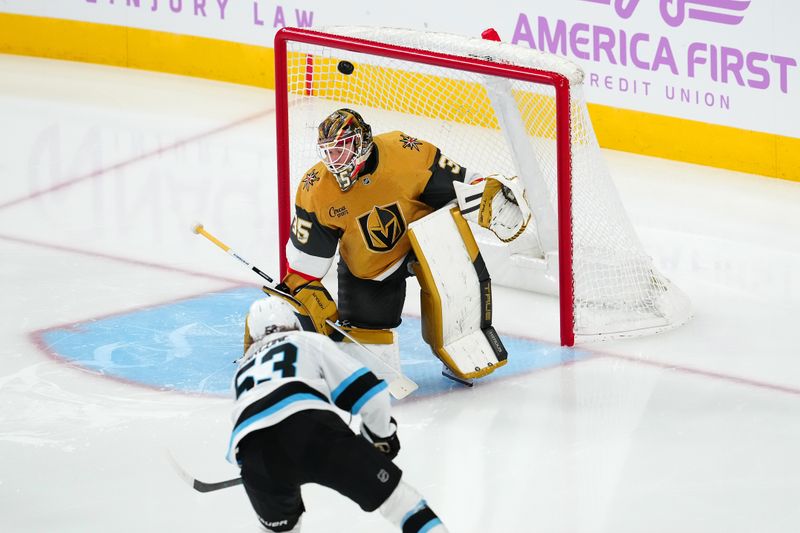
(271,315)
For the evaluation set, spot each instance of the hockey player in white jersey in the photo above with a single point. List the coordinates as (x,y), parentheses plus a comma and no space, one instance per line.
(291,387)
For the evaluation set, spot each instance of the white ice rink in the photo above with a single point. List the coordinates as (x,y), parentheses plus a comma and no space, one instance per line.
(103,170)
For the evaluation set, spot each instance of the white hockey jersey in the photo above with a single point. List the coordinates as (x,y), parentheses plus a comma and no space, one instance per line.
(285,373)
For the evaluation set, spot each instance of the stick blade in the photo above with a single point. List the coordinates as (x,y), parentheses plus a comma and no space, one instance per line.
(196,484)
(402,387)
(183,474)
(201,486)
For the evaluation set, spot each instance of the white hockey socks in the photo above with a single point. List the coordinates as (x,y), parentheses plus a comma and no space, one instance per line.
(406,509)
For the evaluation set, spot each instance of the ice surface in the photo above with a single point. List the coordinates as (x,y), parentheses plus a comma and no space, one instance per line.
(104,170)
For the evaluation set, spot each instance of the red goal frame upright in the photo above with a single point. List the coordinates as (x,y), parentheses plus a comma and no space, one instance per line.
(558,82)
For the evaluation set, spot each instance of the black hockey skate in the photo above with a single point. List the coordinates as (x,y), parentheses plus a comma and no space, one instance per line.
(446,372)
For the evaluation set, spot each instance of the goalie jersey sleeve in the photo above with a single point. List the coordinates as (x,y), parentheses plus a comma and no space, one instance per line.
(439,188)
(312,243)
(285,373)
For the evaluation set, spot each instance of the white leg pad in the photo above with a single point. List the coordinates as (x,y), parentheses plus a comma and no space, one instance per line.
(382,356)
(456,295)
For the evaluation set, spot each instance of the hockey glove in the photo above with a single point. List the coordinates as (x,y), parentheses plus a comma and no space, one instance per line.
(500,209)
(312,302)
(320,305)
(494,204)
(389,446)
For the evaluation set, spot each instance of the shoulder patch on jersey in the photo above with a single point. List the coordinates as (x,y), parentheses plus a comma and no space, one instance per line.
(411,143)
(310,179)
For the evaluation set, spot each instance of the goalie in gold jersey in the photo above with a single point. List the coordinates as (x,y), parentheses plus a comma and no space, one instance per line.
(364,197)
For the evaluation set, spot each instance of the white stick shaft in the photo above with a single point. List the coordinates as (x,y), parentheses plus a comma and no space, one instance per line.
(400,387)
(370,352)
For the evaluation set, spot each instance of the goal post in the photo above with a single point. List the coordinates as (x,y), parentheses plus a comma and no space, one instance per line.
(494,108)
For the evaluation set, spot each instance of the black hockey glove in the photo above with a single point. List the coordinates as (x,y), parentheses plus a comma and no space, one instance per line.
(389,446)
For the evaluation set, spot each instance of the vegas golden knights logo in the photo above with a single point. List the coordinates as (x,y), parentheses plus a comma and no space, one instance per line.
(382,227)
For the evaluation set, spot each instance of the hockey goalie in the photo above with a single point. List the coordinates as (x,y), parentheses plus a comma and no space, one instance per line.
(395,206)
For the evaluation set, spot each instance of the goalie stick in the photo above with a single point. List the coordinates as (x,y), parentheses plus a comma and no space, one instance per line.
(196,484)
(400,387)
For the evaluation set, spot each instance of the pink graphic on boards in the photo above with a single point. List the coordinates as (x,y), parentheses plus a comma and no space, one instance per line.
(675,12)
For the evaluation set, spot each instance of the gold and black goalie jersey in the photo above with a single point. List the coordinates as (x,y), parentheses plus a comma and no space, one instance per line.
(404,180)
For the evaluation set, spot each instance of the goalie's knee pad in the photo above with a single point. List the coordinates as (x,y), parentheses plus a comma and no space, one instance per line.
(381,342)
(406,509)
(456,294)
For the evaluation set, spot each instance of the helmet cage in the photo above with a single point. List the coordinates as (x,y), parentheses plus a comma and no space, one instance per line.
(344,144)
(344,157)
(339,154)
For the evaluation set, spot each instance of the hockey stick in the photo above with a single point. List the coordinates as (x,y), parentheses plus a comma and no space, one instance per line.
(400,387)
(196,484)
(198,228)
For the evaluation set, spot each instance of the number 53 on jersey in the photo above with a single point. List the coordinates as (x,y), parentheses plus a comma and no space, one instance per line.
(276,363)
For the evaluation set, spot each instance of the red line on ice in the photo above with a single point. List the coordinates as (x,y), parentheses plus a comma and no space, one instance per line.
(101,171)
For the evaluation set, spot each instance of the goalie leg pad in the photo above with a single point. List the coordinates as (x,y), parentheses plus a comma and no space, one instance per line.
(456,295)
(382,343)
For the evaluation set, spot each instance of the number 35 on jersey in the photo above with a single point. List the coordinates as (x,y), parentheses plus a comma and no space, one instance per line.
(300,229)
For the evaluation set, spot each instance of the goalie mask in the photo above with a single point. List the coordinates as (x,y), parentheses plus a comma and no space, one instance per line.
(344,143)
(271,315)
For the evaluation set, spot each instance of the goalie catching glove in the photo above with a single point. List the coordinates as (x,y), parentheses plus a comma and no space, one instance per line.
(389,446)
(494,203)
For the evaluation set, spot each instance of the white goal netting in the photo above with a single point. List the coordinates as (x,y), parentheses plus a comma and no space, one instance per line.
(496,124)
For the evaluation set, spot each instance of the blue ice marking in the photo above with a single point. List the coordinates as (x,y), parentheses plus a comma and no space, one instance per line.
(190,346)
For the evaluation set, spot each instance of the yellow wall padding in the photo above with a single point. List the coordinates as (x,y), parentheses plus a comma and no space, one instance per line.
(697,142)
(619,129)
(136,48)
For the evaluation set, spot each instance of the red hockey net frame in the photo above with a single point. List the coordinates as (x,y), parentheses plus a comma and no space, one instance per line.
(558,82)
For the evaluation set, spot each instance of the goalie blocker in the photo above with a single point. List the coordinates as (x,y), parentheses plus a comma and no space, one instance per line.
(313,312)
(456,294)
